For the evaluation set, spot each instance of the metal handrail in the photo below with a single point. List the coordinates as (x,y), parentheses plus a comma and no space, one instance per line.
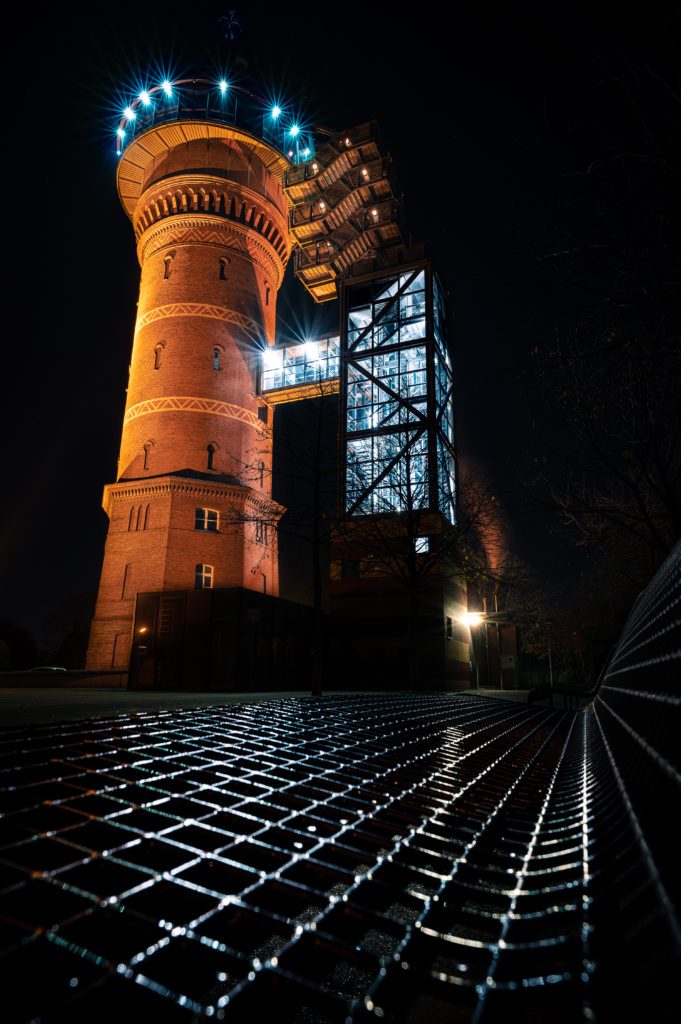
(538,693)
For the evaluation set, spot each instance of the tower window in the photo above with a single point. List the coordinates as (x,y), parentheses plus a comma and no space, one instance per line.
(203,577)
(421,545)
(267,296)
(147,448)
(450,628)
(157,357)
(223,268)
(260,532)
(262,413)
(127,574)
(167,263)
(216,358)
(261,472)
(206,519)
(211,456)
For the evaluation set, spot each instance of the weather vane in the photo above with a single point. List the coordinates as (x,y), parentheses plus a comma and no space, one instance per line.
(231,26)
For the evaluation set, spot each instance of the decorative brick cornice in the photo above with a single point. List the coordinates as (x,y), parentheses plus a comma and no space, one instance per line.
(200,309)
(239,239)
(217,194)
(135,490)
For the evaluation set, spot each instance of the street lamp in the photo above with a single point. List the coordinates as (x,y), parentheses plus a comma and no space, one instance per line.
(485,618)
(471,620)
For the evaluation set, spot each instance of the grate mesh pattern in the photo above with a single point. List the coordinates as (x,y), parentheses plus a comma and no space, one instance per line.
(399,858)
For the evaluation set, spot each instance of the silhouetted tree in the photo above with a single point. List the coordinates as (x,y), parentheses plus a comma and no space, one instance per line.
(614,370)
(402,540)
(305,482)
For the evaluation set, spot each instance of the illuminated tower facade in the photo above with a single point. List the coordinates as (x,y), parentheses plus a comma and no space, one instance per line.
(191,506)
(220,187)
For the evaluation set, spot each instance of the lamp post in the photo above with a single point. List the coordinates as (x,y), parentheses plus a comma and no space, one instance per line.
(472,620)
(484,618)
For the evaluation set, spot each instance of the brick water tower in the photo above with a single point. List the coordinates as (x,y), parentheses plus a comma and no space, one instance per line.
(200,177)
(220,186)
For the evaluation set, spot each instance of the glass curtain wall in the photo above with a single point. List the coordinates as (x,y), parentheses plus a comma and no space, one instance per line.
(398,443)
(300,364)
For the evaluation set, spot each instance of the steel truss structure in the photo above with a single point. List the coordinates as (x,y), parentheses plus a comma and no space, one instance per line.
(397,421)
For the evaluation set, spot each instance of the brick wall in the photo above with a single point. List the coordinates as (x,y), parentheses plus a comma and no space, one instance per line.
(212,244)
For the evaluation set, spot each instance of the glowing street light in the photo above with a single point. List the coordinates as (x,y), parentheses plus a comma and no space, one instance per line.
(167,88)
(145,98)
(276,112)
(224,86)
(471,619)
(129,113)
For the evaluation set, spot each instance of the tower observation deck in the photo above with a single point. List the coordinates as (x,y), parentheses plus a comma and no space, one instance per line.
(221,187)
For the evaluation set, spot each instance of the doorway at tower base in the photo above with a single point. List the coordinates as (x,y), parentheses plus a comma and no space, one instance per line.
(231,640)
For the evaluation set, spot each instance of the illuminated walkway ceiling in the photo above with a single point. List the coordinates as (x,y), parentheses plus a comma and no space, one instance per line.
(399,858)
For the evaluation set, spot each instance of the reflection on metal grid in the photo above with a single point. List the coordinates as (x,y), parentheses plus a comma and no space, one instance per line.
(396,858)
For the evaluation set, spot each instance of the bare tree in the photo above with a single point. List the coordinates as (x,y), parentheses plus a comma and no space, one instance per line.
(305,479)
(614,373)
(404,541)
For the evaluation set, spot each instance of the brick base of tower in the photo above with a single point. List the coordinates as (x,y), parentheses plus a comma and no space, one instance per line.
(153,545)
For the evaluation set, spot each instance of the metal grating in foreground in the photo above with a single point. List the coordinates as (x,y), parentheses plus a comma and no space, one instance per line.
(397,858)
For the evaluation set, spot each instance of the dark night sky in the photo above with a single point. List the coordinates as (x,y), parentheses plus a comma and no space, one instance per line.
(489,123)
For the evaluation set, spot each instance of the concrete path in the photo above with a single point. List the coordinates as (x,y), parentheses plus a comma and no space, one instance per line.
(24,706)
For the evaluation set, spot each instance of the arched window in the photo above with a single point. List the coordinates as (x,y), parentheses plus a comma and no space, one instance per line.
(261,471)
(147,448)
(267,295)
(223,268)
(216,358)
(203,577)
(131,519)
(211,456)
(157,356)
(139,516)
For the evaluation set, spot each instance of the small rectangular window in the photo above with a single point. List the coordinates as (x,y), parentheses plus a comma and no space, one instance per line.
(450,628)
(203,577)
(422,545)
(260,532)
(206,519)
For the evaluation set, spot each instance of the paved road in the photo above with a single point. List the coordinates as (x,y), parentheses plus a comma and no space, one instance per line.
(23,706)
